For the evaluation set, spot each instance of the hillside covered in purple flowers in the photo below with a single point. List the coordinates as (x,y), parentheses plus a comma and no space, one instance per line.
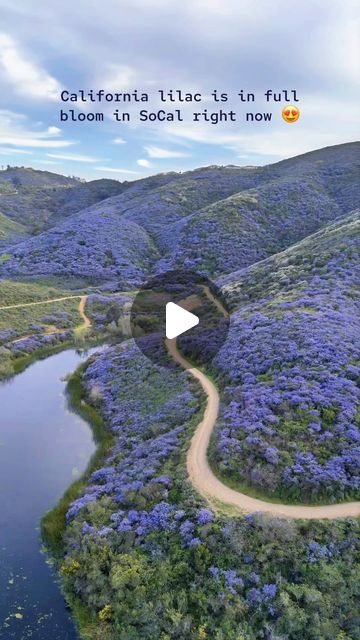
(141,554)
(214,220)
(290,370)
(149,559)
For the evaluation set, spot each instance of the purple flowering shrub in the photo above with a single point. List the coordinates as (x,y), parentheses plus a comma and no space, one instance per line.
(26,329)
(28,196)
(137,500)
(144,439)
(99,306)
(144,557)
(42,199)
(213,219)
(161,210)
(138,541)
(37,341)
(92,244)
(6,335)
(251,225)
(60,319)
(289,419)
(295,197)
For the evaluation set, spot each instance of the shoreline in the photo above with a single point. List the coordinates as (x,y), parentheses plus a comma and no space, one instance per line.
(53,522)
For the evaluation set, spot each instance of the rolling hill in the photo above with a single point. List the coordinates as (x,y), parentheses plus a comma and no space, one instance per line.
(91,245)
(251,225)
(142,553)
(40,199)
(215,219)
(289,421)
(10,232)
(33,197)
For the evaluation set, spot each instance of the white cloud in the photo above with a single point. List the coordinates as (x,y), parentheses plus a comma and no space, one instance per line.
(117,170)
(119,141)
(118,78)
(341,36)
(75,157)
(322,123)
(6,151)
(176,45)
(158,152)
(53,131)
(14,131)
(26,76)
(34,142)
(144,163)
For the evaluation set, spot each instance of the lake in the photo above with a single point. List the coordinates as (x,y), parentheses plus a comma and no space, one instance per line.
(43,448)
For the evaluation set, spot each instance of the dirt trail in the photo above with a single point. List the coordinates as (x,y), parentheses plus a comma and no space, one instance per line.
(198,467)
(82,303)
(32,304)
(216,302)
(214,490)
(83,298)
(210,486)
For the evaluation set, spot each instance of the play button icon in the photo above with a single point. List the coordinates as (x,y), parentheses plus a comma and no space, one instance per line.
(178,320)
(181,305)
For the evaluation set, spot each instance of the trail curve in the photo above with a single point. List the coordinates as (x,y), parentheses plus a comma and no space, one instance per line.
(86,319)
(81,308)
(215,491)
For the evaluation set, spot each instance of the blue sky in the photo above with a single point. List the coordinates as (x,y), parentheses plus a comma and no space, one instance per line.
(194,45)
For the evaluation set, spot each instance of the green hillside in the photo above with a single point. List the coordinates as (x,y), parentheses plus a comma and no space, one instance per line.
(10,231)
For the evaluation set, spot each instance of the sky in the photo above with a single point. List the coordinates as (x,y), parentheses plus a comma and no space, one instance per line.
(193,46)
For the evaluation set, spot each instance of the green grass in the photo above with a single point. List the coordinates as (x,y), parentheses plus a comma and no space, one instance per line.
(89,626)
(22,318)
(10,226)
(53,523)
(18,292)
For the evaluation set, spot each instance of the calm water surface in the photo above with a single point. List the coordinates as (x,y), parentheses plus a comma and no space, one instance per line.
(43,448)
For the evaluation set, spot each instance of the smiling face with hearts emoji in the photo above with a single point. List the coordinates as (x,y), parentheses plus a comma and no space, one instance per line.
(290,113)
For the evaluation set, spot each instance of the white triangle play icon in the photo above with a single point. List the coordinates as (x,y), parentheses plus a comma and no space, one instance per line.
(178,320)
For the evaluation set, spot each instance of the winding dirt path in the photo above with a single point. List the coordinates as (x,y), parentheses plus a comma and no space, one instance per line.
(81,308)
(198,467)
(214,490)
(86,319)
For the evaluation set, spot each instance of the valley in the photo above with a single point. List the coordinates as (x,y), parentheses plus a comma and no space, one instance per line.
(227,502)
